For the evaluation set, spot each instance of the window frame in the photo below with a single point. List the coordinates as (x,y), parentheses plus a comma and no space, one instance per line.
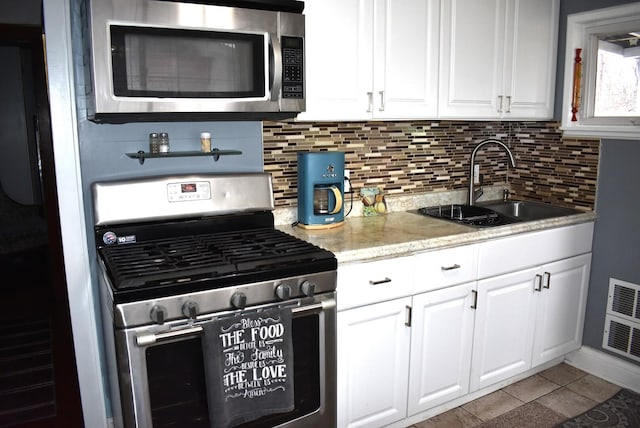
(583,30)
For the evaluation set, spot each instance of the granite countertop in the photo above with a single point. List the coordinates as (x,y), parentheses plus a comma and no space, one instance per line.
(403,233)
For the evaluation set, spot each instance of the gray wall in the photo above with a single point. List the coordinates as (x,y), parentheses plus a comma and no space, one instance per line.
(21,12)
(616,248)
(616,244)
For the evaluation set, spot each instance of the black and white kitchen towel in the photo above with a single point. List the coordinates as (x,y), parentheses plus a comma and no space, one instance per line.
(248,362)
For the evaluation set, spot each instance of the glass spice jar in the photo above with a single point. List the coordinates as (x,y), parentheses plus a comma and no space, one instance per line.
(164,142)
(154,142)
(205,142)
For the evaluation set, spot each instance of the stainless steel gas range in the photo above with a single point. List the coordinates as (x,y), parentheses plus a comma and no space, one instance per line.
(180,253)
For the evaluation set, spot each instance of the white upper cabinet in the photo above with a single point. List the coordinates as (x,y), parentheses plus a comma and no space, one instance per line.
(371,59)
(498,59)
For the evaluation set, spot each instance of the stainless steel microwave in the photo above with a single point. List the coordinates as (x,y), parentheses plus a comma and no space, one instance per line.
(196,59)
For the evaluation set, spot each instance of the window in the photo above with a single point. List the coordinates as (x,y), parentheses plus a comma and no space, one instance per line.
(604,77)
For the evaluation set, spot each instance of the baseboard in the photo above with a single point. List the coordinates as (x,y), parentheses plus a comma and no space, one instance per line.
(606,366)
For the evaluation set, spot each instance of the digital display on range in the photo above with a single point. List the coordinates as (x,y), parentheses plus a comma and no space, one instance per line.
(188,191)
(188,188)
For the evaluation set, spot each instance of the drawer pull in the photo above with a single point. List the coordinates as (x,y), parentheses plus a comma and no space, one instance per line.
(407,316)
(452,267)
(537,286)
(474,305)
(382,281)
(546,280)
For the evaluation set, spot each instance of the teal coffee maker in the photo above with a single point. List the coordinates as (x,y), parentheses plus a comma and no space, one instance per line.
(320,189)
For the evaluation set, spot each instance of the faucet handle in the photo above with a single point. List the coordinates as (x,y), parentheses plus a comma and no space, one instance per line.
(505,195)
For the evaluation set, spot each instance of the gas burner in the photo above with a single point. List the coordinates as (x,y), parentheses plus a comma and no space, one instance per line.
(159,267)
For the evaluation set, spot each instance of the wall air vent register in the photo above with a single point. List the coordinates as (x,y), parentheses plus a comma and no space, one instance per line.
(622,321)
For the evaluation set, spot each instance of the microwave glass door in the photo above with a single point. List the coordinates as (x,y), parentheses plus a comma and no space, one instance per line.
(176,63)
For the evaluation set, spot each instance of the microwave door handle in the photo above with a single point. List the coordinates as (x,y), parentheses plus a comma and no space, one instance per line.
(275,66)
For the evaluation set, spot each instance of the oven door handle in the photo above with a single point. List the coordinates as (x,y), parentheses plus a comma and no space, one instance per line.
(147,339)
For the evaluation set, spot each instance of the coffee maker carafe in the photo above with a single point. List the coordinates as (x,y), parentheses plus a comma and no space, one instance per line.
(320,189)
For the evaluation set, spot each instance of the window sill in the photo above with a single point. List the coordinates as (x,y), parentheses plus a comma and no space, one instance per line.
(600,132)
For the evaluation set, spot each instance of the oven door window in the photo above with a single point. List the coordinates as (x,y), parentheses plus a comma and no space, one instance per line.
(177,389)
(173,63)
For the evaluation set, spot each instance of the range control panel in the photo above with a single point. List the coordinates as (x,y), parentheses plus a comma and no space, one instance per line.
(189,191)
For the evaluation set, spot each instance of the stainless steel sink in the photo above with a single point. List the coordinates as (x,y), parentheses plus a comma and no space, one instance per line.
(471,215)
(496,213)
(527,210)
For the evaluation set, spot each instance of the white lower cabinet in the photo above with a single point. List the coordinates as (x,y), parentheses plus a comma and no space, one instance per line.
(441,338)
(527,318)
(561,308)
(373,364)
(504,329)
(419,331)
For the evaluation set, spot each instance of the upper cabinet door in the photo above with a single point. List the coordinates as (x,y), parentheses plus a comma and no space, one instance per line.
(406,59)
(498,59)
(471,58)
(371,59)
(338,59)
(530,72)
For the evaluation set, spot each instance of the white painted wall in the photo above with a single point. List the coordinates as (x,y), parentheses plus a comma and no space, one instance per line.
(74,239)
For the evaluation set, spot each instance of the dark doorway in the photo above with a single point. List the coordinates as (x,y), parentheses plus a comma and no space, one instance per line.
(38,377)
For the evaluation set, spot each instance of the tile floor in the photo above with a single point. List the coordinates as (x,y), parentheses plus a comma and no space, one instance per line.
(542,400)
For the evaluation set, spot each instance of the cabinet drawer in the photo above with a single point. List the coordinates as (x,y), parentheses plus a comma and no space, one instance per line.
(530,249)
(370,282)
(442,268)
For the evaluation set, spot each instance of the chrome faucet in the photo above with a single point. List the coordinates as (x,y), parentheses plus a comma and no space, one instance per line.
(472,192)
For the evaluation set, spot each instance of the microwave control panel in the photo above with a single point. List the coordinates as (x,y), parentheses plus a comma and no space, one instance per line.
(292,67)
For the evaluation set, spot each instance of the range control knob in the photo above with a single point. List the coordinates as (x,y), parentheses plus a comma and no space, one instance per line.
(283,292)
(158,314)
(190,310)
(239,300)
(308,288)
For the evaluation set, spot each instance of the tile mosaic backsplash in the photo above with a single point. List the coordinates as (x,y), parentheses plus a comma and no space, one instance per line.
(431,156)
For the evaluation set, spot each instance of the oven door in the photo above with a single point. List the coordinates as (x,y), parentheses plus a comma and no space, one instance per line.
(162,384)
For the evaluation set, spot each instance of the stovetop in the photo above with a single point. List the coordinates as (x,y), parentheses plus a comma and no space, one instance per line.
(158,237)
(191,263)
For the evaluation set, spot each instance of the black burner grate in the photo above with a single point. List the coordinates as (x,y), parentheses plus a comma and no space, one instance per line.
(207,256)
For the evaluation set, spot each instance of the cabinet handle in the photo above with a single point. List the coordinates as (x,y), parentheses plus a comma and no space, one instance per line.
(547,280)
(407,316)
(499,103)
(452,267)
(474,305)
(381,101)
(381,281)
(538,283)
(370,97)
(508,98)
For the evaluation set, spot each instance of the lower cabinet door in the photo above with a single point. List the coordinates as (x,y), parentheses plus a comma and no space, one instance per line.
(441,343)
(563,300)
(505,323)
(373,364)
